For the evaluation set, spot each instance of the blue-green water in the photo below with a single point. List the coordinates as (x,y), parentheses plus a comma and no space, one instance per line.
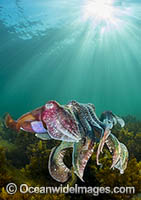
(63,50)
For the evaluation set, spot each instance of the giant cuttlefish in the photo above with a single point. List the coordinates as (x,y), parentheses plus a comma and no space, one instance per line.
(78,127)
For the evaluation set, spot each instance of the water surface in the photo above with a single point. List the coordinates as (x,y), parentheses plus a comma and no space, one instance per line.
(64,50)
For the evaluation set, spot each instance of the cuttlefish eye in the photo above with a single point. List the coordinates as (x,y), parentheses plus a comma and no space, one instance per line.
(49,105)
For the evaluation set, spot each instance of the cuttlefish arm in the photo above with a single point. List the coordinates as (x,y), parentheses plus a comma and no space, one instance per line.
(119,152)
(119,120)
(82,151)
(86,116)
(101,145)
(109,119)
(114,146)
(81,154)
(122,163)
(57,169)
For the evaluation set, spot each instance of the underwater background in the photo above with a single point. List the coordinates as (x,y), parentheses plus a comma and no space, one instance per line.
(83,50)
(63,50)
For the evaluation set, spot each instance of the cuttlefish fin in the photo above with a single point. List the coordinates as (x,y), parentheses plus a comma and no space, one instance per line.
(57,169)
(10,122)
(22,123)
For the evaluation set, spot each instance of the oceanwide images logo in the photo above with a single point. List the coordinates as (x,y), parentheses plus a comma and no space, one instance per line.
(12,188)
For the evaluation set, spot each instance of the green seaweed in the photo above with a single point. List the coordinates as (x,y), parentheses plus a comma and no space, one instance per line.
(24,159)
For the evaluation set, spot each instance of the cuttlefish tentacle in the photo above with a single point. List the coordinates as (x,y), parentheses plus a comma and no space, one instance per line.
(57,169)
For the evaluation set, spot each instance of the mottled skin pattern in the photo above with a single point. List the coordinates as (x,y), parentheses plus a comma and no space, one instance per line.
(85,113)
(78,127)
(60,123)
(87,117)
